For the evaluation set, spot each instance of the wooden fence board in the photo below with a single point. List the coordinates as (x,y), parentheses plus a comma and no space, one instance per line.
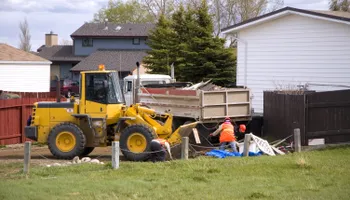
(13,118)
(317,114)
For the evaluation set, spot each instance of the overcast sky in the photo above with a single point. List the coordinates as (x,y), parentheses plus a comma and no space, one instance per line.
(65,16)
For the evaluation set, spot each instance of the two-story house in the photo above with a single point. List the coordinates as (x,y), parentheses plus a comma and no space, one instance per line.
(117,46)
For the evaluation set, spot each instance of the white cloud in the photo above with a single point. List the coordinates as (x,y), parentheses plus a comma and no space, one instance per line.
(63,6)
(62,17)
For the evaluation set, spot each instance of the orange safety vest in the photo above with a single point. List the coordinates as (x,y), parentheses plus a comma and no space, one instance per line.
(227,133)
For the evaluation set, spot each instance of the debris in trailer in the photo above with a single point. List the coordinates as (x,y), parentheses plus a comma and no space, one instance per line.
(205,86)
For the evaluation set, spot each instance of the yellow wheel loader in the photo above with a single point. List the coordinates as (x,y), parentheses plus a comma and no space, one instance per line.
(99,117)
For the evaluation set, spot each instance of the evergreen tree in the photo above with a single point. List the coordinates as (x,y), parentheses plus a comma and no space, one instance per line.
(188,42)
(180,42)
(161,42)
(206,56)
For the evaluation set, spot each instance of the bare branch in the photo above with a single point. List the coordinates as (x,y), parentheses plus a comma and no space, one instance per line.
(66,42)
(24,36)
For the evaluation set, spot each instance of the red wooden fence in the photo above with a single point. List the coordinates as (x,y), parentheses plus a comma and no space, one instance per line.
(13,118)
(34,94)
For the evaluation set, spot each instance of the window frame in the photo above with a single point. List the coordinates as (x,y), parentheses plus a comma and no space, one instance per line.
(90,44)
(136,43)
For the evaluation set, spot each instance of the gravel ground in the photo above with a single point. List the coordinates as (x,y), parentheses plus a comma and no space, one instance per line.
(41,155)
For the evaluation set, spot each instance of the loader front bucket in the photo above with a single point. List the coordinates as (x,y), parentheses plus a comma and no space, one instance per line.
(175,139)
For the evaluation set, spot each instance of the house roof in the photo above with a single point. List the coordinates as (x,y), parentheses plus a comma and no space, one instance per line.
(113,30)
(10,54)
(120,60)
(343,17)
(59,53)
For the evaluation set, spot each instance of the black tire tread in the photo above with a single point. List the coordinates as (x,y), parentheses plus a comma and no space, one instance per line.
(146,131)
(87,151)
(77,151)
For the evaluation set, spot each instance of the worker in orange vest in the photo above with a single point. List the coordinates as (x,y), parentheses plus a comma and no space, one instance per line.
(227,134)
(159,147)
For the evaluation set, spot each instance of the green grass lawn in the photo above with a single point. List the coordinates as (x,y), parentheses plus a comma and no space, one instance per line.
(308,175)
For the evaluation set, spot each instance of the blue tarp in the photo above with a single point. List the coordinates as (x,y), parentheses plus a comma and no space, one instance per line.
(223,154)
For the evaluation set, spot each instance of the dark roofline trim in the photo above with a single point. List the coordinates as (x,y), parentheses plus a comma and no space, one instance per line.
(287,9)
(107,36)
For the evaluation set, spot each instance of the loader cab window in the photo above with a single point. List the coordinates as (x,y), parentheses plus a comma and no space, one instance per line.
(103,88)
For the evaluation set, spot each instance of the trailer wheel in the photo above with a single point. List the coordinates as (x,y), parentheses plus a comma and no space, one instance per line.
(135,140)
(66,140)
(87,151)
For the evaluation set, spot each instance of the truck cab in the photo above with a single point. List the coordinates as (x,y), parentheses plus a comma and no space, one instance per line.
(145,79)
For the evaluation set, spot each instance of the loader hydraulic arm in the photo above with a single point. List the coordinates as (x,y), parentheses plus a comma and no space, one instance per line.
(148,116)
(164,130)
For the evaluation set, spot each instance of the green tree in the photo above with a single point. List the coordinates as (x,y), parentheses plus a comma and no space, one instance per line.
(208,58)
(189,43)
(161,42)
(339,5)
(118,11)
(181,25)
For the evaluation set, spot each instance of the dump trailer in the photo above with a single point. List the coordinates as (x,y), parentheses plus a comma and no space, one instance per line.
(199,105)
(98,118)
(208,108)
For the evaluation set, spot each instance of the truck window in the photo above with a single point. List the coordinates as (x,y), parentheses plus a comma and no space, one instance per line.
(129,86)
(152,82)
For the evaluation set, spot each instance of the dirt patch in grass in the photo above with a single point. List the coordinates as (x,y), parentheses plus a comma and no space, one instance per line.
(41,155)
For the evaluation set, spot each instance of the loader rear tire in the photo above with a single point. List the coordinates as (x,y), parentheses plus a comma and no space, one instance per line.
(66,140)
(135,140)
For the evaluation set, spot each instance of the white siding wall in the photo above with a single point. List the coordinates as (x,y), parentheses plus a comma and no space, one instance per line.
(294,50)
(25,77)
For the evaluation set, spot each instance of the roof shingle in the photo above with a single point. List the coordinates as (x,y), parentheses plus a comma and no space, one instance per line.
(123,30)
(59,53)
(120,60)
(9,53)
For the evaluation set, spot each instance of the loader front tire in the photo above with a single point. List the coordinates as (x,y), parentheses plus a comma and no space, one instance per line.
(135,141)
(66,140)
(87,151)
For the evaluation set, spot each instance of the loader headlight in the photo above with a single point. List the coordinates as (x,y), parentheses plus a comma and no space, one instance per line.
(97,123)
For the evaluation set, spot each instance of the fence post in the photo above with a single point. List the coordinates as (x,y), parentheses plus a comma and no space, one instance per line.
(27,146)
(184,148)
(115,154)
(247,139)
(23,122)
(297,142)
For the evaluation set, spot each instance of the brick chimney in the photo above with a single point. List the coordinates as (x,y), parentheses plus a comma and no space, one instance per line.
(51,39)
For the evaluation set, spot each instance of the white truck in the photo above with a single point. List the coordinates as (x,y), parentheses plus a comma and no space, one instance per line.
(145,79)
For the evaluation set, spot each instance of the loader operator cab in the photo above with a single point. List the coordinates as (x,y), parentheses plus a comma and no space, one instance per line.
(103,88)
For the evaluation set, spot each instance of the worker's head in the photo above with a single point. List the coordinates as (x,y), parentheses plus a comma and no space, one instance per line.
(227,119)
(242,128)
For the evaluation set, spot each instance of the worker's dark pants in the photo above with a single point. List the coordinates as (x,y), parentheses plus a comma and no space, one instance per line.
(158,152)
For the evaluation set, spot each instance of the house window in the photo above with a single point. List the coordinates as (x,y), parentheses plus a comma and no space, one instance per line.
(136,41)
(87,42)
